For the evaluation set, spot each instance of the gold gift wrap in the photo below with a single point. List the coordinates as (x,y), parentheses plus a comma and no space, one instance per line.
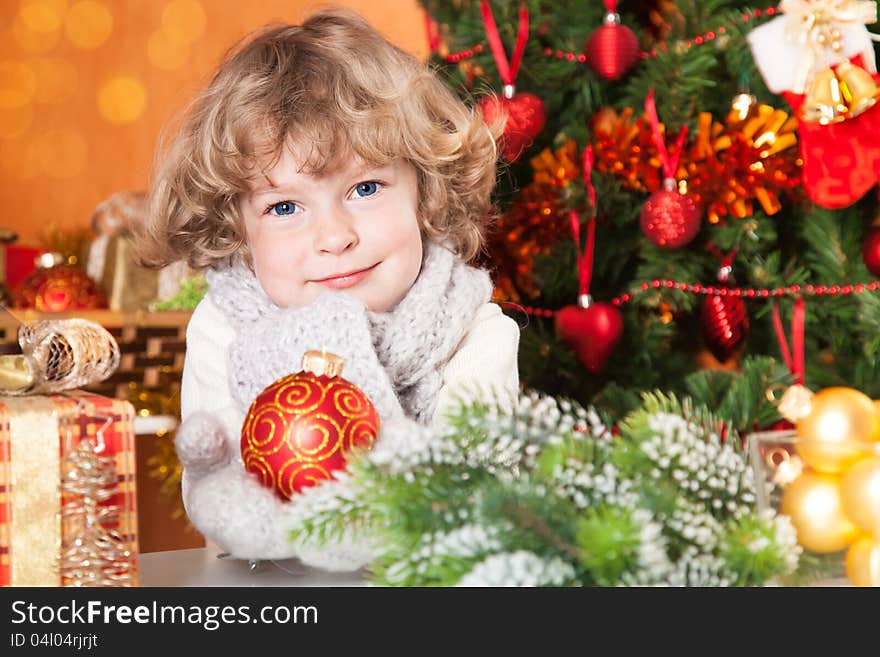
(49,516)
(128,285)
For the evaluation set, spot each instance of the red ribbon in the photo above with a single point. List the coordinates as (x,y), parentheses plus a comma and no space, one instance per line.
(670,162)
(611,6)
(506,70)
(588,171)
(795,360)
(585,262)
(726,260)
(433,32)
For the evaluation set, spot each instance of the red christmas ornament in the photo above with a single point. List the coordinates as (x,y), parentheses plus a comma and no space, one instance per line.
(54,287)
(525,112)
(592,330)
(306,425)
(669,219)
(871,251)
(612,49)
(841,160)
(724,322)
(526,118)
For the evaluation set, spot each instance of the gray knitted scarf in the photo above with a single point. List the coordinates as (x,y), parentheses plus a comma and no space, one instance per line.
(411,342)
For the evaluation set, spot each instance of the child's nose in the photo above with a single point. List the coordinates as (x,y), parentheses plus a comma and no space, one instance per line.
(336,233)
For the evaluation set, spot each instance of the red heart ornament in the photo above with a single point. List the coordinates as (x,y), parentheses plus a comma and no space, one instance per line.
(526,118)
(591,332)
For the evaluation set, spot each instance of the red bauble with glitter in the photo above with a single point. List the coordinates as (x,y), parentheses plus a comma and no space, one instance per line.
(724,324)
(612,49)
(871,251)
(307,425)
(669,219)
(57,288)
(592,330)
(526,118)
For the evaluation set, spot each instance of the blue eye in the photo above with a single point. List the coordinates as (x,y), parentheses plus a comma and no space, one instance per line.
(283,209)
(365,189)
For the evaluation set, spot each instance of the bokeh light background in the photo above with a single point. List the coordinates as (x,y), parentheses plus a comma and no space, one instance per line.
(86,87)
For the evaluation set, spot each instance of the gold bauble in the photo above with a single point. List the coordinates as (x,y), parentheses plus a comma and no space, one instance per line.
(860,492)
(841,424)
(863,562)
(816,510)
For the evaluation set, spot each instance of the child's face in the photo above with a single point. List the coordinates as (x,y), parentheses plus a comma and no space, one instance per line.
(354,230)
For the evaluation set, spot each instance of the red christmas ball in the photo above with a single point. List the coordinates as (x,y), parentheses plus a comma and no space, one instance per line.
(724,324)
(59,288)
(526,118)
(305,426)
(871,251)
(669,219)
(612,49)
(592,332)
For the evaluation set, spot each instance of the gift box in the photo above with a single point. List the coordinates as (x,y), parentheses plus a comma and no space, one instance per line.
(68,514)
(129,286)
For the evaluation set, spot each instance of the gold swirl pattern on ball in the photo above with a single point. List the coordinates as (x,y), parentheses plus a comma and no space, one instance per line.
(294,476)
(255,463)
(360,434)
(266,428)
(299,393)
(302,432)
(348,401)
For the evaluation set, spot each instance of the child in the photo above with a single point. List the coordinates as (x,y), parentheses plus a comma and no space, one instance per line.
(334,188)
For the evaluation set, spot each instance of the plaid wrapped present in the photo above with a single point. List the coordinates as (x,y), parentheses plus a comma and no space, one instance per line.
(68,513)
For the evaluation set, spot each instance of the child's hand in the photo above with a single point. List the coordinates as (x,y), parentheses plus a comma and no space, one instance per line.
(233,509)
(201,444)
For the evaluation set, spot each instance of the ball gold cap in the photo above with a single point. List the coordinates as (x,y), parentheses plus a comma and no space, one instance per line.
(322,363)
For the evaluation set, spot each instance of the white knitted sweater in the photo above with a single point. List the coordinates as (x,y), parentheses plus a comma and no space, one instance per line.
(486,357)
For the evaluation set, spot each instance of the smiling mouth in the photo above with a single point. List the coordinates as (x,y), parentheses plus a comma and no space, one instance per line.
(348,279)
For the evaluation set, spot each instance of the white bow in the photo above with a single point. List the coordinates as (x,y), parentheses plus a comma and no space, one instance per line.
(810,26)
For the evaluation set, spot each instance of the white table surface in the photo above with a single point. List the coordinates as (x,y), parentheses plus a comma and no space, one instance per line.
(202,567)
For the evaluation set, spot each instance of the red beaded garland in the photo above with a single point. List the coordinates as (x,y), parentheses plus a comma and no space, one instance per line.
(708,37)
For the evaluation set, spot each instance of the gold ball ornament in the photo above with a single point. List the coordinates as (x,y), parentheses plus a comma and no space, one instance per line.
(836,433)
(863,562)
(860,492)
(813,503)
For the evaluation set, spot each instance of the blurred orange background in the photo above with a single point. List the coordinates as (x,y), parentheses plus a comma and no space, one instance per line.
(86,87)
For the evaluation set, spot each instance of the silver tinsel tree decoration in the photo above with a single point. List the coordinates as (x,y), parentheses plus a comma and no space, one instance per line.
(92,552)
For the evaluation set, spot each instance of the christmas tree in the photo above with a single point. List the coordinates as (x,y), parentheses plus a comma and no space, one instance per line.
(732,157)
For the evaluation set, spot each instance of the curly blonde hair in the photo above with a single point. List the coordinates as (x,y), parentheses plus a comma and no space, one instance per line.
(335,84)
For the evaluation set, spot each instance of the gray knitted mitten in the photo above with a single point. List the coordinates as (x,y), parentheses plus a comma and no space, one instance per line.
(230,507)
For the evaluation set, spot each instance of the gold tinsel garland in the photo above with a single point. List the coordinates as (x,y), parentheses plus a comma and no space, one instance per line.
(726,168)
(535,222)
